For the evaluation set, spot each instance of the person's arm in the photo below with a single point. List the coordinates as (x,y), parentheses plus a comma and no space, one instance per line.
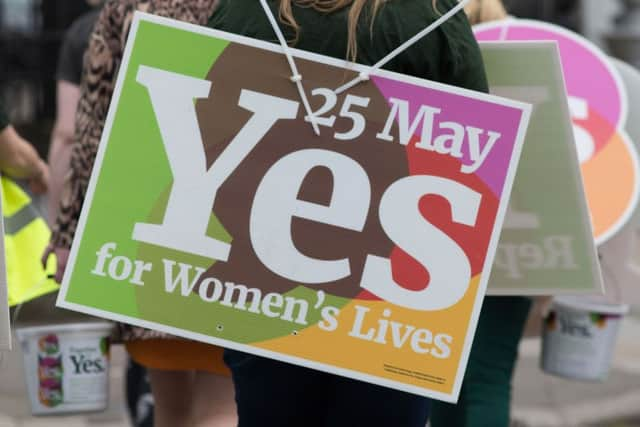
(98,78)
(19,159)
(62,138)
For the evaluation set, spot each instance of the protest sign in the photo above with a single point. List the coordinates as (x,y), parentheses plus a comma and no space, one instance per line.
(5,333)
(214,211)
(598,107)
(546,246)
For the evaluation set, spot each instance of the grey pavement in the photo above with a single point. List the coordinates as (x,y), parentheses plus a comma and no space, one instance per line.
(540,400)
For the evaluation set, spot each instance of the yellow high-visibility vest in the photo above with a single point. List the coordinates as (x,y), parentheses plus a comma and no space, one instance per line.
(26,237)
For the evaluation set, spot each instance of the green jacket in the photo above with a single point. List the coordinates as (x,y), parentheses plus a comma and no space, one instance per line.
(449,55)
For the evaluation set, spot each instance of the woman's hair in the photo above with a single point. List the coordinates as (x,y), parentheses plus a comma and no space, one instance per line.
(480,11)
(328,6)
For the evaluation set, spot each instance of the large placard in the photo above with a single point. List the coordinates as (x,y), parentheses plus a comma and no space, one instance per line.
(215,212)
(546,246)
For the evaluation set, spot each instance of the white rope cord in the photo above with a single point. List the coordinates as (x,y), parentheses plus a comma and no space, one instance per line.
(296,77)
(365,75)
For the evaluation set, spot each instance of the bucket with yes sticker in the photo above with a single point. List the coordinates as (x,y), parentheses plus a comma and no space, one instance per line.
(579,336)
(66,367)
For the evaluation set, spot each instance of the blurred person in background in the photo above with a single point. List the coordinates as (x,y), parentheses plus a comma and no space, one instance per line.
(18,158)
(485,396)
(68,76)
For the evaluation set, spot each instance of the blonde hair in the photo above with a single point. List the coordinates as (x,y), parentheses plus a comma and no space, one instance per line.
(480,11)
(328,6)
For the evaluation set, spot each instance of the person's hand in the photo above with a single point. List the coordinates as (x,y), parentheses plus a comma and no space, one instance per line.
(39,183)
(62,256)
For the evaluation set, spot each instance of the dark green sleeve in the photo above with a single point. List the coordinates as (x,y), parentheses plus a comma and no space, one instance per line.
(463,66)
(4,119)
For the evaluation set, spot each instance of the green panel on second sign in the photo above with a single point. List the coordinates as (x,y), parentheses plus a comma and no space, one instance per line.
(546,245)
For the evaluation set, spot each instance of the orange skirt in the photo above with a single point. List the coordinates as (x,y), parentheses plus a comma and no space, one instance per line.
(177,355)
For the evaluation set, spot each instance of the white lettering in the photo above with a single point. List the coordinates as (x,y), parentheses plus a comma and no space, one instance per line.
(276,203)
(140,267)
(194,187)
(449,143)
(446,262)
(270,301)
(478,155)
(400,113)
(442,343)
(554,252)
(182,278)
(243,293)
(291,304)
(120,263)
(421,336)
(329,318)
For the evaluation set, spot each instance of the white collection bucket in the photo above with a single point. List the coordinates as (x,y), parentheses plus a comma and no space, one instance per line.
(66,367)
(579,336)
